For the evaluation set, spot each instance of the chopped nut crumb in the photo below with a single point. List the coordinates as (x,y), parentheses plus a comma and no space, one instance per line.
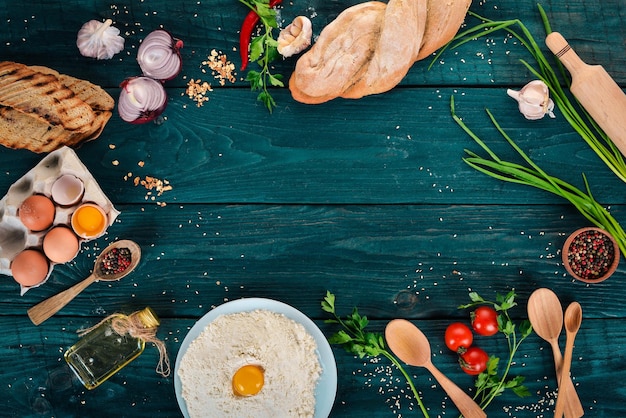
(115,162)
(160,186)
(197,90)
(151,183)
(140,163)
(221,68)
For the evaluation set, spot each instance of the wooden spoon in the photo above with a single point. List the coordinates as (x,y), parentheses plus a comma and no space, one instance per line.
(546,316)
(573,319)
(411,346)
(47,308)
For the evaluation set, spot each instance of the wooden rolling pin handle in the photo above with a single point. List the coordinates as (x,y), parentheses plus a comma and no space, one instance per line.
(564,52)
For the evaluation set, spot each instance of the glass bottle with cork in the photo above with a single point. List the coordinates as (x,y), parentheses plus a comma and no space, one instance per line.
(113,343)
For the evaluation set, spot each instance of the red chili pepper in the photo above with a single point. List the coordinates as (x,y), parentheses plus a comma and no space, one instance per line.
(246,32)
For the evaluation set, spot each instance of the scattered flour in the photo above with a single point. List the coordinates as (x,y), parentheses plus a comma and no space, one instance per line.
(281,346)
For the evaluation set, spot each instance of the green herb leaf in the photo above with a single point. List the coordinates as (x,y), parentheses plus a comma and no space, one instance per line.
(257,47)
(341,337)
(356,340)
(328,304)
(263,51)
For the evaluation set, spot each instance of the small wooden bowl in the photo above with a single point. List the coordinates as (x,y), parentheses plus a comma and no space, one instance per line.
(606,271)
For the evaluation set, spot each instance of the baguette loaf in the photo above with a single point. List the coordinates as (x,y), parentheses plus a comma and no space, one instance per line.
(370,47)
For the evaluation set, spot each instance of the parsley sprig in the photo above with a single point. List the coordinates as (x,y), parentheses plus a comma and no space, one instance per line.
(489,383)
(356,340)
(264,51)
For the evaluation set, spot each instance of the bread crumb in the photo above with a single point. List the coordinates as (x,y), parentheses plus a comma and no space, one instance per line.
(115,162)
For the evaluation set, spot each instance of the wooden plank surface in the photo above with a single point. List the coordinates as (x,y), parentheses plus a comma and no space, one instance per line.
(367,198)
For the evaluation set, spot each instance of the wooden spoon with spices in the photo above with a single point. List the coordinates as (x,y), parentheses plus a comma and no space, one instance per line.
(112,264)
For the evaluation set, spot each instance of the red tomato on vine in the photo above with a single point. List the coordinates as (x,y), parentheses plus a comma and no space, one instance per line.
(458,336)
(485,320)
(474,360)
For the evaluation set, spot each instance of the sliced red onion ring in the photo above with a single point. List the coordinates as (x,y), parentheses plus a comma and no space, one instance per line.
(159,55)
(141,100)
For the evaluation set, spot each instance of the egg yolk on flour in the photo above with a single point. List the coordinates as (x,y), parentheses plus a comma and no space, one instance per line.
(248,380)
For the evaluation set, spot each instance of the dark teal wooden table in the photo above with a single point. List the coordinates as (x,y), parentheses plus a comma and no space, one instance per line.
(369,199)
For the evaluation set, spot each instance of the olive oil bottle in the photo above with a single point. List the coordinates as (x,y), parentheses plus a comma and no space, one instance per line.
(112,344)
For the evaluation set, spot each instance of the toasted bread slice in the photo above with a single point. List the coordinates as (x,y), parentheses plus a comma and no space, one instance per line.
(90,93)
(33,92)
(95,96)
(21,130)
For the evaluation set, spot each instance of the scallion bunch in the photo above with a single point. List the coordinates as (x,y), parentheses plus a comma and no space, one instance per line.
(575,115)
(532,175)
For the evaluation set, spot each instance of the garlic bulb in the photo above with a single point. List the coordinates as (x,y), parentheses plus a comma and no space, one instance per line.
(296,37)
(534,100)
(99,40)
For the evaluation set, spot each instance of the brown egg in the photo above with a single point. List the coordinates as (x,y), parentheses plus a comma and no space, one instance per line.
(60,244)
(37,212)
(29,268)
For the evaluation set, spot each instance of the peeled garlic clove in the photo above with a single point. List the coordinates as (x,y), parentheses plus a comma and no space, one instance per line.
(296,37)
(99,40)
(534,100)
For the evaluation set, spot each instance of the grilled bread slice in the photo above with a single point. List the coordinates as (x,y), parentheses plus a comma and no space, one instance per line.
(44,95)
(42,110)
(90,93)
(96,97)
(21,130)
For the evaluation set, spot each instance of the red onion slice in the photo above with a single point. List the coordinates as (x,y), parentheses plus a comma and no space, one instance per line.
(159,55)
(141,100)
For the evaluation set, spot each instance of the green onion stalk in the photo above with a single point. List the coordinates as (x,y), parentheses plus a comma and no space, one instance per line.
(573,112)
(532,175)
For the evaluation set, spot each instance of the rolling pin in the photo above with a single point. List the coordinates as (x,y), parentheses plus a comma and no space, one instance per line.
(596,91)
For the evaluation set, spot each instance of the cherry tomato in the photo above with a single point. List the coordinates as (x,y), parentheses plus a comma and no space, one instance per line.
(485,320)
(458,336)
(473,361)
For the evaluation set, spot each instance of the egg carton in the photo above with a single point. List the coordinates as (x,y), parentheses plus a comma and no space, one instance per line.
(14,236)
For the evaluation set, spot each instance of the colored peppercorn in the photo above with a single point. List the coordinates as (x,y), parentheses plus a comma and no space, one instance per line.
(115,261)
(591,254)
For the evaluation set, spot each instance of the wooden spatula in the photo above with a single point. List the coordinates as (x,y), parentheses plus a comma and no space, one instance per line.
(598,93)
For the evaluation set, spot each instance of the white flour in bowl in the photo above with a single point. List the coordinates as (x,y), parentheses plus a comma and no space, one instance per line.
(281,346)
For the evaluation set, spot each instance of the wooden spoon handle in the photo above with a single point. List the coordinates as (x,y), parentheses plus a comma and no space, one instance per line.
(567,395)
(47,308)
(573,406)
(465,404)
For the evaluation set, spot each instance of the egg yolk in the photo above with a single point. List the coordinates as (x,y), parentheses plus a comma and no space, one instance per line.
(248,380)
(90,219)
